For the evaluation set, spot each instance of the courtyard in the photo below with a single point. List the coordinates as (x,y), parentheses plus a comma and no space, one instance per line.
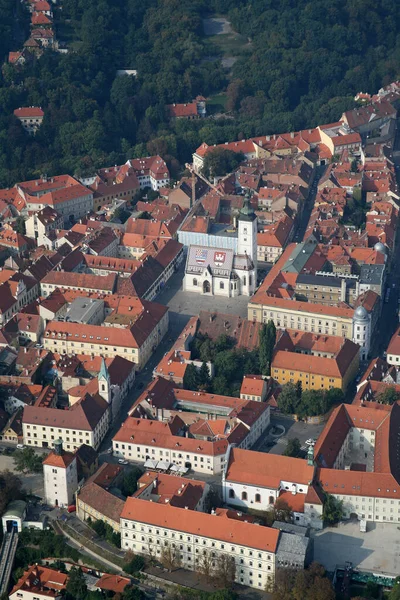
(377,550)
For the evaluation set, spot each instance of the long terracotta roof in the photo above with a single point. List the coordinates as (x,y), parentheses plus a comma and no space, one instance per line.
(266,470)
(202,524)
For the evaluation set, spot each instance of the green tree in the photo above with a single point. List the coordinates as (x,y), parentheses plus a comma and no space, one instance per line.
(225,570)
(99,527)
(282,511)
(133,593)
(333,510)
(129,482)
(389,395)
(76,585)
(307,584)
(204,380)
(220,161)
(10,489)
(134,563)
(288,400)
(19,225)
(394,593)
(27,461)
(267,339)
(190,378)
(293,447)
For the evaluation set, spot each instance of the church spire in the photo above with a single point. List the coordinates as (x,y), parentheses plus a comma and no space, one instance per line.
(246,213)
(104,382)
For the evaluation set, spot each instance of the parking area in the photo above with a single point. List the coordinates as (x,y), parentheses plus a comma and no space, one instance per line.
(33,483)
(377,550)
(283,429)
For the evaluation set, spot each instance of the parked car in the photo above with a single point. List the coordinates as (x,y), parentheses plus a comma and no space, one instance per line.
(71,508)
(110,450)
(20,446)
(122,461)
(310,442)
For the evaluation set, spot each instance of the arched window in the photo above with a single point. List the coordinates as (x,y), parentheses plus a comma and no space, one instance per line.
(244,495)
(244,280)
(221,285)
(258,498)
(231,494)
(194,281)
(271,500)
(250,280)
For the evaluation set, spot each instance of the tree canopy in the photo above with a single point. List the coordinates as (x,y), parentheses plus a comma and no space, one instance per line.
(302,65)
(309,584)
(307,403)
(27,461)
(10,489)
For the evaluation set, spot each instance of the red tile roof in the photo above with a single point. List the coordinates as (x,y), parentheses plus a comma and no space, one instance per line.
(59,460)
(29,111)
(266,470)
(182,110)
(202,524)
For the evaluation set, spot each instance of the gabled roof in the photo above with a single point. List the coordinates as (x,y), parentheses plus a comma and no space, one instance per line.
(203,524)
(266,470)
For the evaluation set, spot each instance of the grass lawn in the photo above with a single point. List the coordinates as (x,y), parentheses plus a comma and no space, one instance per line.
(226,44)
(216,103)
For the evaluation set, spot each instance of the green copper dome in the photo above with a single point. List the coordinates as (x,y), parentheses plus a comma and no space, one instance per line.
(246,213)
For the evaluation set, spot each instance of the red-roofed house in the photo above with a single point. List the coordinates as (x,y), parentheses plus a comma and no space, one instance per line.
(31,118)
(41,583)
(272,241)
(190,110)
(254,387)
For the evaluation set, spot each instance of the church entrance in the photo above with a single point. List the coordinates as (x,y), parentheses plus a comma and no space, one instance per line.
(206,287)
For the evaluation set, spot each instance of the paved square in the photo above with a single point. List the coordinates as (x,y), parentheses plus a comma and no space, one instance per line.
(189,303)
(377,550)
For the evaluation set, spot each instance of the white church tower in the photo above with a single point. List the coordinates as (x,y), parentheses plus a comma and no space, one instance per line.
(247,231)
(246,259)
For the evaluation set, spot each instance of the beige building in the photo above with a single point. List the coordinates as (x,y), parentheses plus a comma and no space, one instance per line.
(77,281)
(95,501)
(86,422)
(135,342)
(141,440)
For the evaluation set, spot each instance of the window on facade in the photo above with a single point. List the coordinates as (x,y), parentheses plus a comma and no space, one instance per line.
(231,494)
(194,281)
(258,498)
(244,495)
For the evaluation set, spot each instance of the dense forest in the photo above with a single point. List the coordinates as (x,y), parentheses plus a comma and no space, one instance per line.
(302,65)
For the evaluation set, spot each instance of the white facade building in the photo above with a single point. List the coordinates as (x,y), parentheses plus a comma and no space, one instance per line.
(191,538)
(221,272)
(60,477)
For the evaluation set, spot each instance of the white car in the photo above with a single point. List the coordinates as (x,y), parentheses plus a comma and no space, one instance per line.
(122,461)
(20,446)
(110,450)
(310,442)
